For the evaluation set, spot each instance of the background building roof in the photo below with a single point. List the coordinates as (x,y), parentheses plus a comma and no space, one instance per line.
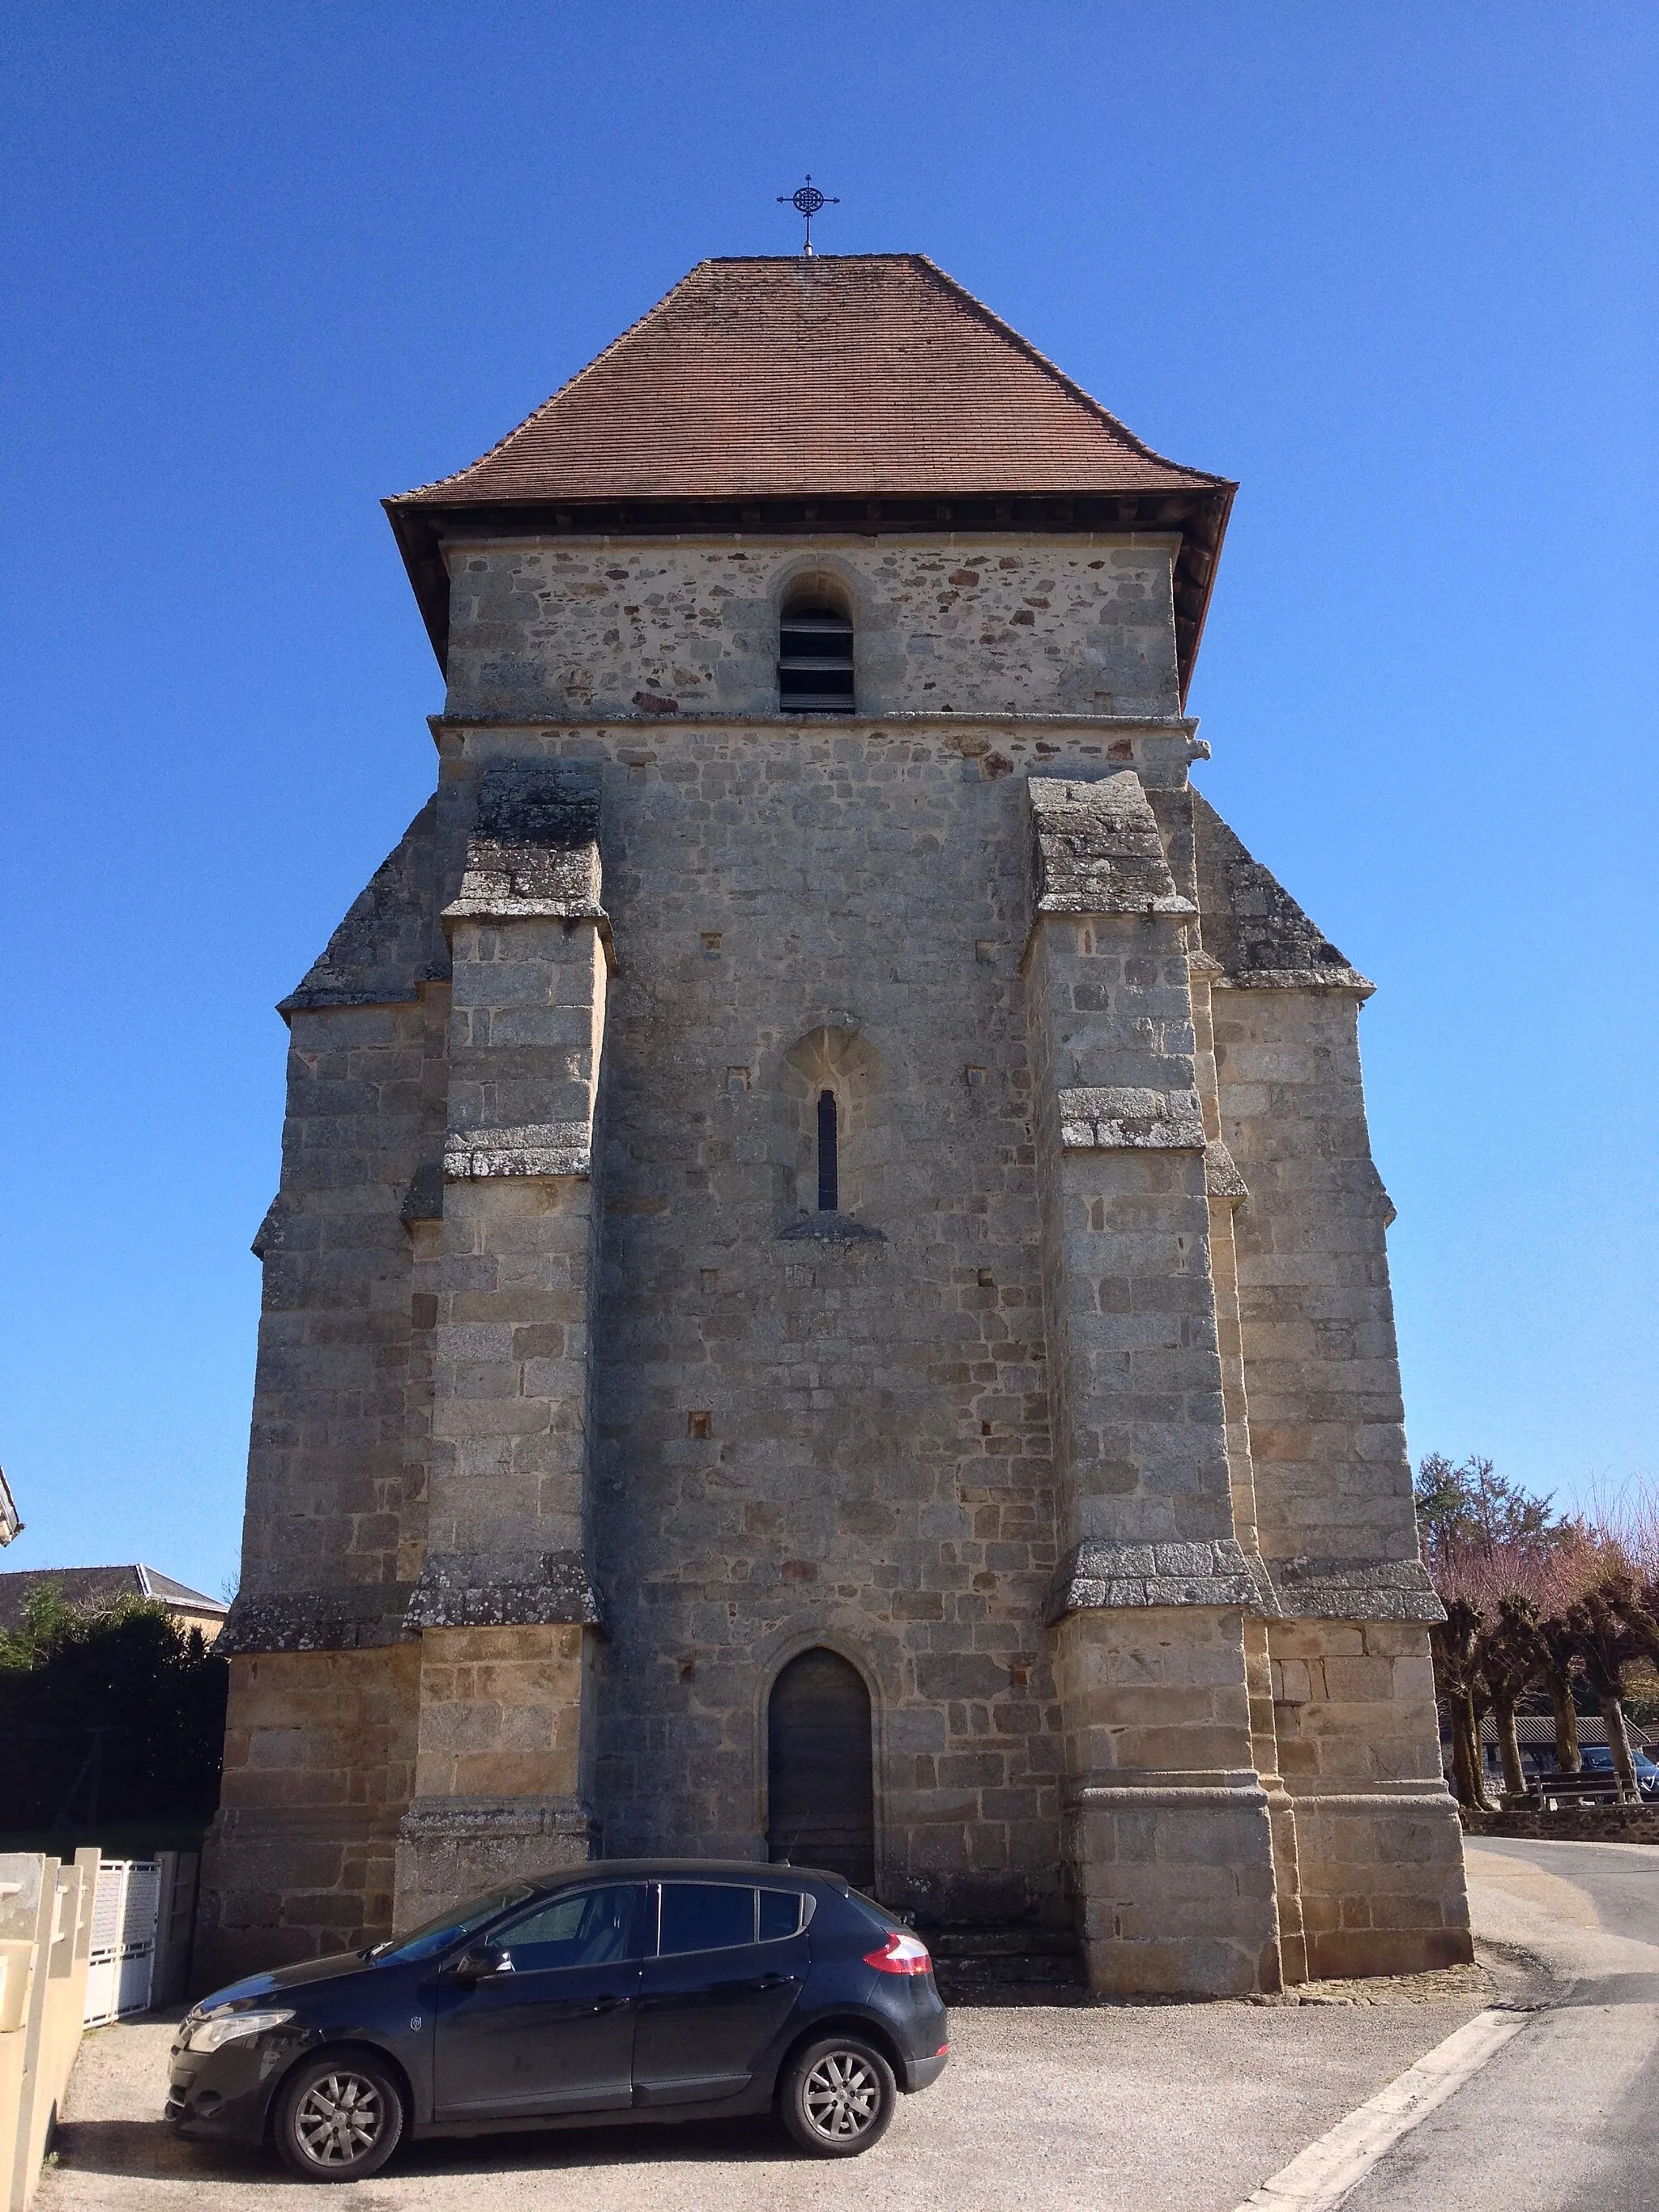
(90,1589)
(1533,1731)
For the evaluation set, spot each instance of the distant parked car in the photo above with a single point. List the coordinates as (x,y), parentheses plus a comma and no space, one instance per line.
(621,1990)
(1596,1758)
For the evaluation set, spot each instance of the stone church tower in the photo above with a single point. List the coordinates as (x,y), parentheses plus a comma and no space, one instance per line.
(828,1294)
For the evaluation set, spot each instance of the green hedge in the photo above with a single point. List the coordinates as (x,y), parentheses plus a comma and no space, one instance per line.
(107,1719)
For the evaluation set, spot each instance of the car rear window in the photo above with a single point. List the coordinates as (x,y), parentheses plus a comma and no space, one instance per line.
(705,1915)
(779,1914)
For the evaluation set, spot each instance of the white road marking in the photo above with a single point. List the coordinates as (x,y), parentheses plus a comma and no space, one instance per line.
(1318,2178)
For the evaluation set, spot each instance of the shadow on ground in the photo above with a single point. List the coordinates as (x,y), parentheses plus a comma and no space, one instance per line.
(147,2150)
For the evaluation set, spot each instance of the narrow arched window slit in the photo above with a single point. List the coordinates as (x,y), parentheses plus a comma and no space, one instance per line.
(829,1150)
(815,662)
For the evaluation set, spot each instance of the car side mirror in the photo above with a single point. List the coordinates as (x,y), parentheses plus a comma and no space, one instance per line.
(477,1963)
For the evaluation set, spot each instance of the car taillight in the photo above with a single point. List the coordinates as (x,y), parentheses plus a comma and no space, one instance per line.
(901,1953)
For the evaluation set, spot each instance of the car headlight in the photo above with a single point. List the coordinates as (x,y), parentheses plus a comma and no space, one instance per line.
(214,2028)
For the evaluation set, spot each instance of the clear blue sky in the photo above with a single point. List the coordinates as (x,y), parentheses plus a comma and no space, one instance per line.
(1393,266)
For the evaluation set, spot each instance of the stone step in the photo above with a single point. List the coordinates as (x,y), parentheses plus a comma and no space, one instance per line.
(1012,1981)
(1010,1964)
(1009,1939)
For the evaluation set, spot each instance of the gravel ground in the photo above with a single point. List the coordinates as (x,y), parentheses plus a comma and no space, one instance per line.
(1142,2108)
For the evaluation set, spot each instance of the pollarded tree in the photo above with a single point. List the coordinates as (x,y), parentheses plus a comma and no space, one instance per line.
(1456,1642)
(1612,1629)
(1511,1658)
(1648,1592)
(1561,1648)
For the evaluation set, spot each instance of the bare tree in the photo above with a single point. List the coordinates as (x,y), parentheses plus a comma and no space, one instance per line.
(1511,1658)
(1456,1642)
(1561,1648)
(1612,1630)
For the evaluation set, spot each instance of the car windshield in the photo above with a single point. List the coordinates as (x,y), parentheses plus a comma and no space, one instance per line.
(438,1934)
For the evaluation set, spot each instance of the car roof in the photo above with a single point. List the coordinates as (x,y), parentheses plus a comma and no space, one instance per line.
(748,1870)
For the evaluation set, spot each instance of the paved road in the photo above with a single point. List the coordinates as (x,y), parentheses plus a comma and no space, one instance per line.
(1565,2117)
(1121,2109)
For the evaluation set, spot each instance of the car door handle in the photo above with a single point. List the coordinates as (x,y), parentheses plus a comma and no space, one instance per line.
(608,2004)
(775,1982)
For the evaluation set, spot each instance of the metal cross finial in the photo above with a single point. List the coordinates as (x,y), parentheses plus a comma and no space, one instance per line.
(807,201)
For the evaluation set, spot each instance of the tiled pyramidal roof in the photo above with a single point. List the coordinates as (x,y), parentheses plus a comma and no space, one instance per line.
(862,373)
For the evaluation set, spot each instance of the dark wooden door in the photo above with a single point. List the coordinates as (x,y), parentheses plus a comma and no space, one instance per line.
(820,1794)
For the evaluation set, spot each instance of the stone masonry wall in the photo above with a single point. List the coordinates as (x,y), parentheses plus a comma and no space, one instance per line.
(815,1429)
(320,1761)
(806,1437)
(331,1484)
(942,625)
(1169,1833)
(1333,1482)
(1379,1849)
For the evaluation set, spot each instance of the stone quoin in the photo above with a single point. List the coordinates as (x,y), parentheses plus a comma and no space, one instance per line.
(820,1166)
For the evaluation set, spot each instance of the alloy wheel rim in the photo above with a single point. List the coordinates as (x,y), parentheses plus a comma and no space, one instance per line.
(340,2119)
(842,2095)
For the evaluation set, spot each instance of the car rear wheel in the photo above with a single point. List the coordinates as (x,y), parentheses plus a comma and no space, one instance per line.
(837,2096)
(339,2118)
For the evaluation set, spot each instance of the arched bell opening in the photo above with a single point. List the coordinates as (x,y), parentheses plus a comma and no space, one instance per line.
(820,1787)
(816,657)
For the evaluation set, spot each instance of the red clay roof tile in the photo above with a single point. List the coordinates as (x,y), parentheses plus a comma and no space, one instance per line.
(857,373)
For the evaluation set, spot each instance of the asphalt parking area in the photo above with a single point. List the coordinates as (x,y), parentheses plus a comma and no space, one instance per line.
(1131,2106)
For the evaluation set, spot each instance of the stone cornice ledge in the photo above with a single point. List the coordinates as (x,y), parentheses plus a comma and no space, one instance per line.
(1356,1590)
(1140,1788)
(538,1148)
(501,1818)
(1121,1120)
(353,1618)
(990,718)
(548,1591)
(1097,1576)
(1424,1790)
(831,1228)
(1296,979)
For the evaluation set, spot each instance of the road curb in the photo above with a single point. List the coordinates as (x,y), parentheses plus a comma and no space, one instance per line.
(1318,2178)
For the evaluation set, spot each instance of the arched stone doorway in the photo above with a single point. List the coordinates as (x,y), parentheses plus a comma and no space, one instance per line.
(820,1795)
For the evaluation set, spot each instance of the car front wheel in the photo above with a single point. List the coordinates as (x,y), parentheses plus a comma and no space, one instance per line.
(837,2097)
(339,2118)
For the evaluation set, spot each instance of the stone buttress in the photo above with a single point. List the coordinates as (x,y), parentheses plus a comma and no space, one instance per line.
(410,1650)
(503,1604)
(1167,1826)
(1242,1616)
(1376,1842)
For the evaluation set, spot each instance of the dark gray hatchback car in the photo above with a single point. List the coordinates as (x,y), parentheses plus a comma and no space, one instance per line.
(621,1990)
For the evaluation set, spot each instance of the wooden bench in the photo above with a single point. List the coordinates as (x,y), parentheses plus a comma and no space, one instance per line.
(1591,1785)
